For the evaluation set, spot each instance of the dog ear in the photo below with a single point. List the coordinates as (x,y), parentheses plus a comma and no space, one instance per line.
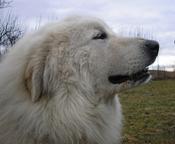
(42,69)
(34,77)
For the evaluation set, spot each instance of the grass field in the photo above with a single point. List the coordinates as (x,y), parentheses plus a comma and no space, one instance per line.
(149,113)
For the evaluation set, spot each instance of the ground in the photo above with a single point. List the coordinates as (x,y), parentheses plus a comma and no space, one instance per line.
(149,113)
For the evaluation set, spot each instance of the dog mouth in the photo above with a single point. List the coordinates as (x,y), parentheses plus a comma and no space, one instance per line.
(140,76)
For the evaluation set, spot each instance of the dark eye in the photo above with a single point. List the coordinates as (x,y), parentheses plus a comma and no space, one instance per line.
(101,35)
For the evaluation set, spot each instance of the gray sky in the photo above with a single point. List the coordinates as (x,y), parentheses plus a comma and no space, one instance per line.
(154,17)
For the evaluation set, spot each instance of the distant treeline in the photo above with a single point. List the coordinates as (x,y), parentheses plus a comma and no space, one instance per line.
(162,74)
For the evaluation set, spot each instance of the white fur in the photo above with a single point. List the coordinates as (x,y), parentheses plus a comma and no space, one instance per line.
(54,86)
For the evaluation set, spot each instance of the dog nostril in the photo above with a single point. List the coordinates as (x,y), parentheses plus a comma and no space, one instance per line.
(153,47)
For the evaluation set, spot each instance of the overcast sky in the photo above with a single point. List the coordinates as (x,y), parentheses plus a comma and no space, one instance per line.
(156,18)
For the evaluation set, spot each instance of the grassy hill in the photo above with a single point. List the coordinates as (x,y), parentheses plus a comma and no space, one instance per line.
(149,113)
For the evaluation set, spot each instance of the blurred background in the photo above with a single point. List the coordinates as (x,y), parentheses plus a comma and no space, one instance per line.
(149,110)
(138,18)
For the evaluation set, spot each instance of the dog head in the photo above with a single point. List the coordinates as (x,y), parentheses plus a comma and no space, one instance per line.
(85,52)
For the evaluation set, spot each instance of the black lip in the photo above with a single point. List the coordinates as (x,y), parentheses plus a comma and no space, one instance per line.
(118,79)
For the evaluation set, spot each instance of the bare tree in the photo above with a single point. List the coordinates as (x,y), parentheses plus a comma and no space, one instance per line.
(10,30)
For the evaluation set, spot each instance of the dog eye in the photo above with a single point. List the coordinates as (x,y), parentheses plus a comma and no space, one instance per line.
(101,35)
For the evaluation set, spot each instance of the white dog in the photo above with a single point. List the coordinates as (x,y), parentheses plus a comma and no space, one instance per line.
(58,85)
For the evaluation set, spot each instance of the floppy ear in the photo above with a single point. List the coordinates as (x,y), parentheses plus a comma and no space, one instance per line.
(42,69)
(34,77)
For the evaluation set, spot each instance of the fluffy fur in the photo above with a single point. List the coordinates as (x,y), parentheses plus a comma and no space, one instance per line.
(54,86)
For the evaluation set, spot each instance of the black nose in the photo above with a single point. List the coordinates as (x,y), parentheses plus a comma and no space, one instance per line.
(152,47)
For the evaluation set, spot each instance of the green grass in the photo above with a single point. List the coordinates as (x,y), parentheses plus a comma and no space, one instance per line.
(149,113)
